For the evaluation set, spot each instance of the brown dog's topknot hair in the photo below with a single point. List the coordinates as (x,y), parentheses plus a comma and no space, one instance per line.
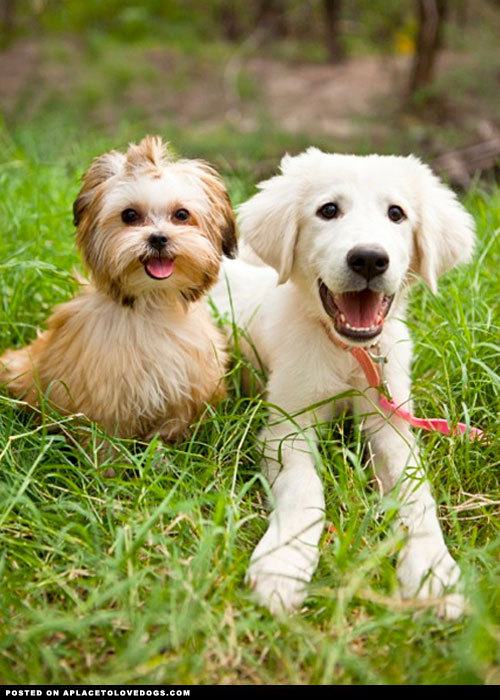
(150,154)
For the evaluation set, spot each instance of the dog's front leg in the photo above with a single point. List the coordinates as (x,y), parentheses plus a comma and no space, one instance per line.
(287,555)
(425,567)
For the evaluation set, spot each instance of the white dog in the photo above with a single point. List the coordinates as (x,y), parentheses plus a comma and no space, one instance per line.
(342,237)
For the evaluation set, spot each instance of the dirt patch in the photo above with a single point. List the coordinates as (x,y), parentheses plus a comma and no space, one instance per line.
(337,101)
(298,96)
(325,98)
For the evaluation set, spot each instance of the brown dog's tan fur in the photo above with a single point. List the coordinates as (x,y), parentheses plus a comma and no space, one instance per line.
(135,354)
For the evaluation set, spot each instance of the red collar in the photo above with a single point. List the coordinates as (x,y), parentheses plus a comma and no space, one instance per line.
(372,368)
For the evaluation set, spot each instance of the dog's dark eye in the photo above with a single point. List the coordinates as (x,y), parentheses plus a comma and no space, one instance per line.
(181,215)
(328,211)
(130,216)
(396,214)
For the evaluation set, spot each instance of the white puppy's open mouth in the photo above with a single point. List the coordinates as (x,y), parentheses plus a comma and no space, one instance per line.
(356,315)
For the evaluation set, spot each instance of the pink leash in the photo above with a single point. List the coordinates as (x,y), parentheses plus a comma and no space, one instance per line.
(439,424)
(373,374)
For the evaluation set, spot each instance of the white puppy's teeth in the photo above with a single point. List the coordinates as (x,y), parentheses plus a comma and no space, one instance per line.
(359,329)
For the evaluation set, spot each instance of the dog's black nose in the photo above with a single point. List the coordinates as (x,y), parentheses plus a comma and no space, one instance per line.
(368,262)
(158,240)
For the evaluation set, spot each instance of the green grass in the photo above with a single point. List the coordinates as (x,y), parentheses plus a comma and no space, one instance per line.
(139,578)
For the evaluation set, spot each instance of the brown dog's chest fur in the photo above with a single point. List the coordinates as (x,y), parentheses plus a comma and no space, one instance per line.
(136,370)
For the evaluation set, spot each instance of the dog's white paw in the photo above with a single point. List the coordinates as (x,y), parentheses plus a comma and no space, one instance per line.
(279,592)
(426,572)
(452,607)
(279,575)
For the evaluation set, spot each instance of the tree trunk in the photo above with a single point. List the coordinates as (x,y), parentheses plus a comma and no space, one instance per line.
(431,19)
(271,18)
(334,48)
(230,21)
(7,11)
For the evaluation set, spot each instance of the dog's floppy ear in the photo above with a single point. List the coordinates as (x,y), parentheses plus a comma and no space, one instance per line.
(101,169)
(229,240)
(269,222)
(445,232)
(222,214)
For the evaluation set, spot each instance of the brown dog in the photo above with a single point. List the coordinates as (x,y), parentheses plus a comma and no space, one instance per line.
(136,350)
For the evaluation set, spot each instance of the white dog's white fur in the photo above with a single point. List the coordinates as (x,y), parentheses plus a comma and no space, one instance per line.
(279,305)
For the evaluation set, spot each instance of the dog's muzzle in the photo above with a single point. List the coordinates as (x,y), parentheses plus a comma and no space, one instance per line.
(158,264)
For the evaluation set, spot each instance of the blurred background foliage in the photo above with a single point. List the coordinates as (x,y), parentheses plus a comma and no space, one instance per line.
(242,82)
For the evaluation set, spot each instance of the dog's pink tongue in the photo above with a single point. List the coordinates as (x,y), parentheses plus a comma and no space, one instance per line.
(360,308)
(160,268)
